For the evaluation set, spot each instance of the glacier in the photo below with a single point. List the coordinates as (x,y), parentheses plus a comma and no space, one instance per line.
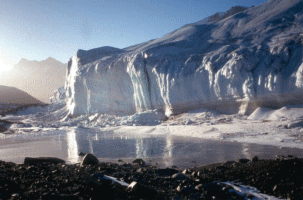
(235,63)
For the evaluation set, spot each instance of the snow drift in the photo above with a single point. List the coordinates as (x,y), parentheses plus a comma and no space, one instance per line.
(232,64)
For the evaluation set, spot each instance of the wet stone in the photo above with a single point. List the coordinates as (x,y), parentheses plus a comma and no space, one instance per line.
(139,161)
(89,159)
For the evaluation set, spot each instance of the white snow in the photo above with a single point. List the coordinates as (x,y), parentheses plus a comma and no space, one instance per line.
(215,73)
(238,78)
(233,64)
(246,191)
(278,127)
(233,79)
(59,95)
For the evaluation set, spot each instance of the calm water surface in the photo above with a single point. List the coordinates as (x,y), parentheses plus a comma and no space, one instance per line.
(163,150)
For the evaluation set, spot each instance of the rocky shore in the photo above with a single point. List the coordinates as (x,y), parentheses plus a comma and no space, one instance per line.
(51,178)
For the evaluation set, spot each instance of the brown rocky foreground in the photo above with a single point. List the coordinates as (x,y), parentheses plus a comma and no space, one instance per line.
(53,179)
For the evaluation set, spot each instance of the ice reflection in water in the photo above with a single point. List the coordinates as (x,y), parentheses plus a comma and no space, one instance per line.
(72,146)
(113,146)
(167,150)
(140,151)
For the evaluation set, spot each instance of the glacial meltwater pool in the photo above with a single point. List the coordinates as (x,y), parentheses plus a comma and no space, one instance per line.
(161,150)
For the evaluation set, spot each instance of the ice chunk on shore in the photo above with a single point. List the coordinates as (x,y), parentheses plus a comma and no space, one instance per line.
(288,112)
(245,191)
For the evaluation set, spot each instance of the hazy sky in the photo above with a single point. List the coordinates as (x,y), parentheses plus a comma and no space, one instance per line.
(37,29)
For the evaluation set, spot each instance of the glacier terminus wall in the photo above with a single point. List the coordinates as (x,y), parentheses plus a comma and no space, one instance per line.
(234,65)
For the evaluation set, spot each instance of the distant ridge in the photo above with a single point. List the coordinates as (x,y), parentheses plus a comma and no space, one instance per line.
(11,95)
(37,78)
(222,15)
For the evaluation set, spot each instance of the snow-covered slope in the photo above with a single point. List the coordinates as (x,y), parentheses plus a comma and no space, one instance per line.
(233,64)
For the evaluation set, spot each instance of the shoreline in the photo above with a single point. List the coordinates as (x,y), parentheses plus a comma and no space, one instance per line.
(280,177)
(161,151)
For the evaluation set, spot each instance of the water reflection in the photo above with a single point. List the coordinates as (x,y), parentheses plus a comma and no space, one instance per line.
(72,146)
(113,146)
(140,151)
(167,150)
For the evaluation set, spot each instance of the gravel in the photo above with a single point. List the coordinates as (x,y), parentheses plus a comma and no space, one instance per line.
(281,178)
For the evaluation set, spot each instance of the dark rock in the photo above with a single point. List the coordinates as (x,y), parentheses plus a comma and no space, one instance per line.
(280,178)
(89,159)
(166,172)
(139,161)
(97,176)
(177,198)
(179,176)
(141,190)
(40,160)
(243,160)
(255,159)
(229,163)
(81,154)
(4,124)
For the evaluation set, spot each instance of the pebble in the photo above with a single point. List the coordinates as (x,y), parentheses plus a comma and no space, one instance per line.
(280,178)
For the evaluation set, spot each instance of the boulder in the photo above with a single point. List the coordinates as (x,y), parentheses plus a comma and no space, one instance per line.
(139,161)
(90,159)
(255,159)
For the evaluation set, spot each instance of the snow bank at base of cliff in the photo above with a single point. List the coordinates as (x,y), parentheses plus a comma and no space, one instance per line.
(233,65)
(278,127)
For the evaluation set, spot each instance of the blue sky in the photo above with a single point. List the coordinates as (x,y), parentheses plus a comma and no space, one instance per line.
(38,29)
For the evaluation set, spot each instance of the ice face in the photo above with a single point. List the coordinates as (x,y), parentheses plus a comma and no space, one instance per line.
(233,65)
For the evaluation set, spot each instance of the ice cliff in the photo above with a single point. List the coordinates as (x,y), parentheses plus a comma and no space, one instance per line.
(230,63)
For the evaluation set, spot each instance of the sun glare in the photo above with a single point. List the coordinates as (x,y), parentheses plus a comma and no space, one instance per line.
(3,66)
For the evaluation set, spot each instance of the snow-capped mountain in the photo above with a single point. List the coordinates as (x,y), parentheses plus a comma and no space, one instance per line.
(38,78)
(234,63)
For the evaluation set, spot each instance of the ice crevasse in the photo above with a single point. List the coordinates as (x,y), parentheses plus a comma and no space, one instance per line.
(233,64)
